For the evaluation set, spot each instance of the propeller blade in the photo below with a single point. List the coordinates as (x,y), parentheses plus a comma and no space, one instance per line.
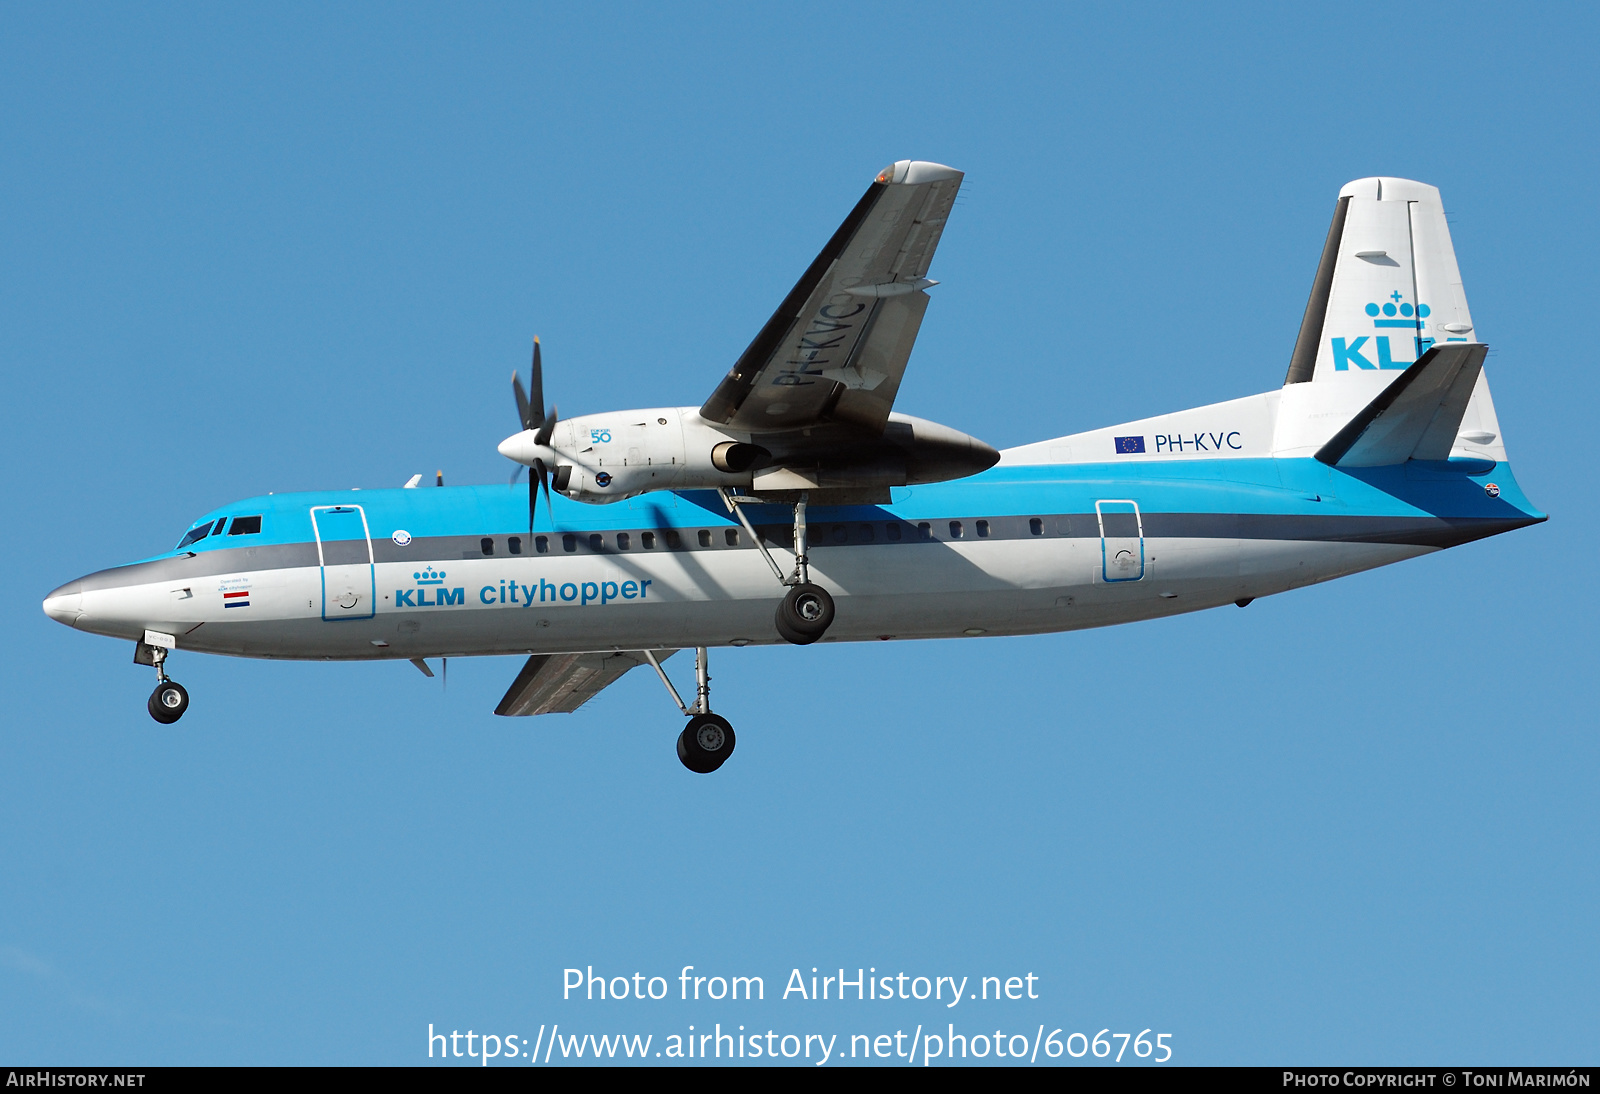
(533,492)
(532,417)
(544,481)
(523,406)
(546,428)
(515,475)
(535,385)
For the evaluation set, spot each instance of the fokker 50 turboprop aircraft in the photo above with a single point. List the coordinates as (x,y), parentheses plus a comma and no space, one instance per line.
(796,491)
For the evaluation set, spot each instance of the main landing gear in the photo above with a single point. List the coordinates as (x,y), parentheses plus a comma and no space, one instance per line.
(170,699)
(806,611)
(707,741)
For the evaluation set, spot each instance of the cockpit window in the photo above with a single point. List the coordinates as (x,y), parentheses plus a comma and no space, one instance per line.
(195,534)
(245,526)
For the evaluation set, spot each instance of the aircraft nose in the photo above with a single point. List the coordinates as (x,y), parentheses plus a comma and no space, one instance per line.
(65,604)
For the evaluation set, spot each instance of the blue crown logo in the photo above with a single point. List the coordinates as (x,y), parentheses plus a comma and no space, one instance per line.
(430,577)
(1397,305)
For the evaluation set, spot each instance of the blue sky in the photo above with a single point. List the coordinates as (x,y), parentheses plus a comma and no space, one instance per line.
(281,248)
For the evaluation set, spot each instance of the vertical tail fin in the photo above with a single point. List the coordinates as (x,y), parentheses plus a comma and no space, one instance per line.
(1387,290)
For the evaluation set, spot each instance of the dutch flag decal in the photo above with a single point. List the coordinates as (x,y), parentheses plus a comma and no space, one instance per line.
(240,599)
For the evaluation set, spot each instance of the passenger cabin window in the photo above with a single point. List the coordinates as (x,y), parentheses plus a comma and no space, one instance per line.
(673,538)
(1036,526)
(924,530)
(866,533)
(731,535)
(541,544)
(597,542)
(623,541)
(955,529)
(486,545)
(245,526)
(647,540)
(983,529)
(569,542)
(705,537)
(892,531)
(514,545)
(841,534)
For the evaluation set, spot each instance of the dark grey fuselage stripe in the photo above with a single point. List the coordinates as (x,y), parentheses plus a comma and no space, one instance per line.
(1331,528)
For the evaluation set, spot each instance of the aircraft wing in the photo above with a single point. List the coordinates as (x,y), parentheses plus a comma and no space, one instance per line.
(1417,416)
(837,346)
(560,683)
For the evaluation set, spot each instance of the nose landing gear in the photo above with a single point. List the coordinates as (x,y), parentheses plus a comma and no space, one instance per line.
(170,699)
(707,741)
(168,702)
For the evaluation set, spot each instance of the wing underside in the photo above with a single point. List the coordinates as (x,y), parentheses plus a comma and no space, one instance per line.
(836,348)
(560,683)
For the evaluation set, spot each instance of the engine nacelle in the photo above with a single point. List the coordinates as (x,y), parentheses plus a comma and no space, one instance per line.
(621,454)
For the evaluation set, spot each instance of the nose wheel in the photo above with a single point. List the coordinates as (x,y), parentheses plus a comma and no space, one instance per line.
(170,699)
(168,702)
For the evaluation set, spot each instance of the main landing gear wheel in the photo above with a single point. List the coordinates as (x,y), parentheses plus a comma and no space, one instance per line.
(168,702)
(705,743)
(805,614)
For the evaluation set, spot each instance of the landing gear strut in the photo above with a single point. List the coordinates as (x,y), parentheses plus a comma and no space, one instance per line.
(806,612)
(170,699)
(707,741)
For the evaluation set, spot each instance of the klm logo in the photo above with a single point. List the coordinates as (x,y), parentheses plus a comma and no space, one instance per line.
(1396,313)
(429,581)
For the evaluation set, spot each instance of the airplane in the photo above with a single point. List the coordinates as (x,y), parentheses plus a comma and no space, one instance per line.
(796,505)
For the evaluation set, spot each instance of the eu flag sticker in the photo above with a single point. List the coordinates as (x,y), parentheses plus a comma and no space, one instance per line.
(1130,444)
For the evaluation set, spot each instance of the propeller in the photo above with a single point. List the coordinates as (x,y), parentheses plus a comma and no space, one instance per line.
(531,415)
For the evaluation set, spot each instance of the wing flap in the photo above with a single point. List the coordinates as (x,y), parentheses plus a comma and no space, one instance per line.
(560,683)
(1415,417)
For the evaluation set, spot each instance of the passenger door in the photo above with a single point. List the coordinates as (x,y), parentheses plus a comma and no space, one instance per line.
(1121,540)
(344,551)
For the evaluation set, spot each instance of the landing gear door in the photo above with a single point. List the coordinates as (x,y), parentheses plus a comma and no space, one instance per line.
(1121,540)
(344,551)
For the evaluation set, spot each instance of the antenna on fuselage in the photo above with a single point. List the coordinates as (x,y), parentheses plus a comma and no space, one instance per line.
(438,478)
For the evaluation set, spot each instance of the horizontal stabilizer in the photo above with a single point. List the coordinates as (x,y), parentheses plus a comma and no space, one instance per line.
(1415,417)
(560,683)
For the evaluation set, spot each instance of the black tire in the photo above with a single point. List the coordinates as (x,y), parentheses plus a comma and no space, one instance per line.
(788,635)
(168,702)
(805,614)
(705,743)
